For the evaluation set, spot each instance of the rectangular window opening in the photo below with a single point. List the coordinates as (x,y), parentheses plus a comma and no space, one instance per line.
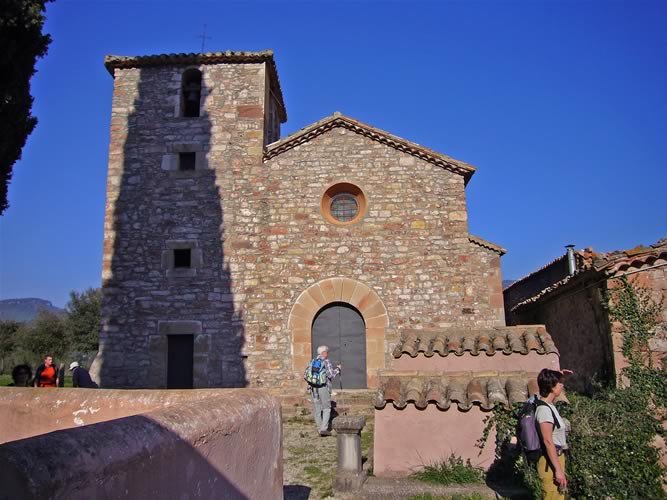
(186,161)
(182,258)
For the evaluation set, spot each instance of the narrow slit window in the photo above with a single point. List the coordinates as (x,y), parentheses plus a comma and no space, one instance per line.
(186,161)
(182,258)
(191,93)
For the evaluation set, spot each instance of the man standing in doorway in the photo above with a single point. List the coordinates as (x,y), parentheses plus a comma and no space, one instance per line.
(322,369)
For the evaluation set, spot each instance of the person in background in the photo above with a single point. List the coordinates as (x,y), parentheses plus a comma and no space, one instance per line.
(81,377)
(552,429)
(321,395)
(21,376)
(47,373)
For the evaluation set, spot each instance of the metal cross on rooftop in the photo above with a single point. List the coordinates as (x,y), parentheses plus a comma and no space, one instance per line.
(203,38)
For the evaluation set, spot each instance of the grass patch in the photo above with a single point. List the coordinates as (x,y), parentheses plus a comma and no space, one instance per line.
(366,440)
(6,379)
(451,471)
(300,450)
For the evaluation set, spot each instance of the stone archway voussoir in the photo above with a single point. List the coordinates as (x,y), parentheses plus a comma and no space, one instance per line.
(374,310)
(360,292)
(338,288)
(347,289)
(308,302)
(301,311)
(316,293)
(328,290)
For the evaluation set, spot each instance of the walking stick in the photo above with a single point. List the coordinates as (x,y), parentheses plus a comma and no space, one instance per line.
(340,380)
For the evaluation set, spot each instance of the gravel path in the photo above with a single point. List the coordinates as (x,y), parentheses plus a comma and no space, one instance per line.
(309,461)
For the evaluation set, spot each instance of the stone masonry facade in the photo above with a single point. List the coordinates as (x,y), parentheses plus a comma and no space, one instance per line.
(264,257)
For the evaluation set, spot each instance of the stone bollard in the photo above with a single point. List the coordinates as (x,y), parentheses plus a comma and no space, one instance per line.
(349,476)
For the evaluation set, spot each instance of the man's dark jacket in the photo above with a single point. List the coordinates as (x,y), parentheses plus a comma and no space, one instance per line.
(81,378)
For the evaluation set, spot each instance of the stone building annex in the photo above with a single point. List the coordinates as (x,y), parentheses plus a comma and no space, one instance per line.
(229,253)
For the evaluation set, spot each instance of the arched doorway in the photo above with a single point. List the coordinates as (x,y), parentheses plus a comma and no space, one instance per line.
(339,290)
(341,327)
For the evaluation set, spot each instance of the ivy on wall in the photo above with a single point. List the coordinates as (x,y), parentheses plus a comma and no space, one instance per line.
(611,443)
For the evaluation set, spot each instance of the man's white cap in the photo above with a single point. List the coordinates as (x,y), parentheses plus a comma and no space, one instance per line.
(321,349)
(73,365)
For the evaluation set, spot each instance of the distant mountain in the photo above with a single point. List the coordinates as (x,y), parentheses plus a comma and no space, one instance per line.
(25,309)
(507,283)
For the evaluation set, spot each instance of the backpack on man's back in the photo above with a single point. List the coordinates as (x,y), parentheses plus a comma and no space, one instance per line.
(316,373)
(528,433)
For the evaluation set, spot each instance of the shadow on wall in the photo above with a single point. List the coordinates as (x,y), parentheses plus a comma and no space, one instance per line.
(225,446)
(168,312)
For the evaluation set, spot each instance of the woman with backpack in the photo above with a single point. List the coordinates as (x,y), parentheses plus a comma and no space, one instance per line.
(552,429)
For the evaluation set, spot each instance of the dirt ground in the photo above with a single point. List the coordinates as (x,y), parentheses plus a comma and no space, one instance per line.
(309,461)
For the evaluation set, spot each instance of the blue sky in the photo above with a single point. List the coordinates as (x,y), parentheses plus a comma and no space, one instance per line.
(561,106)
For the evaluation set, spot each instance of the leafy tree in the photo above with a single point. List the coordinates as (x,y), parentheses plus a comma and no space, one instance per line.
(22,43)
(47,334)
(8,339)
(83,320)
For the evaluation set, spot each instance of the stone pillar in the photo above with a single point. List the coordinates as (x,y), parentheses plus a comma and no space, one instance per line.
(349,476)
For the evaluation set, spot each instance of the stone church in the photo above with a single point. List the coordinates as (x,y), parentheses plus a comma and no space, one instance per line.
(230,253)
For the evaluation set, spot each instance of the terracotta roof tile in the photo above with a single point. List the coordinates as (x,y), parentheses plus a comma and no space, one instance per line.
(463,389)
(486,244)
(609,263)
(507,339)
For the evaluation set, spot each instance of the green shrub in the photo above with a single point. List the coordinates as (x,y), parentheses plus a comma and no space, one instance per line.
(610,446)
(611,453)
(451,471)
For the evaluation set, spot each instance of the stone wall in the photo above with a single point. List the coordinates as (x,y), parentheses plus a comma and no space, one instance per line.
(190,444)
(411,247)
(655,280)
(153,208)
(259,239)
(579,326)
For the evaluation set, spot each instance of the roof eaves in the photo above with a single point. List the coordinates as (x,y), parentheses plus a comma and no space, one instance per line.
(531,274)
(518,339)
(486,244)
(461,390)
(308,133)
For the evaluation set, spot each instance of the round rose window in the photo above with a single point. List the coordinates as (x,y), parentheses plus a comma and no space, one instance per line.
(344,207)
(343,204)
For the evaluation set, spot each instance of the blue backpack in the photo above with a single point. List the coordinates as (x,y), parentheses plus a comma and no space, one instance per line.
(528,432)
(316,373)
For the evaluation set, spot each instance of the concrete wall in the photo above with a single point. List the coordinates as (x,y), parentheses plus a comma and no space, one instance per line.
(406,440)
(180,444)
(531,362)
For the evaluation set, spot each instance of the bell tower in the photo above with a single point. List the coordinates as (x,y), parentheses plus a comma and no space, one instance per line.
(187,138)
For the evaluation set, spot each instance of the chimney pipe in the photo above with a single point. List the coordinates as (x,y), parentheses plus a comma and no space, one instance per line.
(571,261)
